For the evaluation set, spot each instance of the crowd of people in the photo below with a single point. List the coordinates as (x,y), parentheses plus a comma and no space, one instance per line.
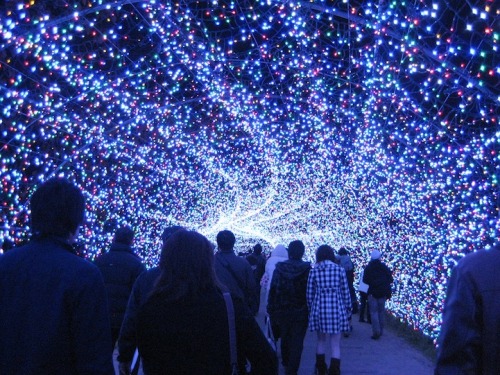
(195,312)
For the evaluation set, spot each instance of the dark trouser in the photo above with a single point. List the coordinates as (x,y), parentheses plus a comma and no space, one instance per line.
(293,328)
(364,306)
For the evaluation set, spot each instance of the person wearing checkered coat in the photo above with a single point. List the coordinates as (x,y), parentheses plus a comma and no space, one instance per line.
(329,305)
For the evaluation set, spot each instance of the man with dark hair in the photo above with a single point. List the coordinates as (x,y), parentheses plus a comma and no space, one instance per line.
(258,264)
(287,305)
(53,308)
(235,272)
(127,340)
(120,267)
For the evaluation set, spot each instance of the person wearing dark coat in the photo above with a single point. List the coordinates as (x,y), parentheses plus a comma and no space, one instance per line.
(120,267)
(182,329)
(53,307)
(235,272)
(127,340)
(469,341)
(379,279)
(287,305)
(258,264)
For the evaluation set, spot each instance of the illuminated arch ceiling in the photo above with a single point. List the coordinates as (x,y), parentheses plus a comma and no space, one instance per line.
(356,124)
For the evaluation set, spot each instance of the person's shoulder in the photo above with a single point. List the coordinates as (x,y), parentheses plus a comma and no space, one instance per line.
(480,258)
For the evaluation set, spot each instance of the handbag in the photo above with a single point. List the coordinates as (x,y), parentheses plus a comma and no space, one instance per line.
(232,334)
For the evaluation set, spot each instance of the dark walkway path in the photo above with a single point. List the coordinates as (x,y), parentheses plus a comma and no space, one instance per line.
(390,355)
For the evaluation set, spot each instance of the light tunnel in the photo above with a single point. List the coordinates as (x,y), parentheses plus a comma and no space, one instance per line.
(363,124)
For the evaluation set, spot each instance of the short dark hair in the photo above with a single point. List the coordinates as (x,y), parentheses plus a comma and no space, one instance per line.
(187,266)
(257,249)
(226,240)
(57,208)
(325,252)
(343,251)
(124,235)
(296,250)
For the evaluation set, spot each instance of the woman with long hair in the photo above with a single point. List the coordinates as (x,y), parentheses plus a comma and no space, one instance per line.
(329,304)
(183,328)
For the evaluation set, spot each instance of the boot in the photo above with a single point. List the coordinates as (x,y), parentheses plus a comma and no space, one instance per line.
(320,367)
(334,367)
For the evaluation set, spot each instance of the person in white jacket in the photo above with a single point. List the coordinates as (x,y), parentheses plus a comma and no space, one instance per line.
(279,254)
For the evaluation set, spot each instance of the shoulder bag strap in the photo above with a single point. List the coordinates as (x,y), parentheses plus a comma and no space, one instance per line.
(232,330)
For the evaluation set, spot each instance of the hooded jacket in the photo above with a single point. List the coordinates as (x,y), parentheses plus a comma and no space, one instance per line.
(288,287)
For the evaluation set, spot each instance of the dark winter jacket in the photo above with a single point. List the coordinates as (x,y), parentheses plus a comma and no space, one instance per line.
(120,267)
(469,342)
(192,337)
(53,313)
(258,264)
(236,274)
(379,278)
(288,287)
(127,342)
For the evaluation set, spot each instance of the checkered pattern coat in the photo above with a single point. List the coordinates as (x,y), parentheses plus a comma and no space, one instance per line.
(328,298)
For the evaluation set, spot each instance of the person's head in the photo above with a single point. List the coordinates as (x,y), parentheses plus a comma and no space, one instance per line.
(168,231)
(296,250)
(343,251)
(124,236)
(375,255)
(187,265)
(226,240)
(57,209)
(257,249)
(325,252)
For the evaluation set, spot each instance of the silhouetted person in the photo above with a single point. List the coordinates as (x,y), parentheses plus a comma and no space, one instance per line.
(183,326)
(287,305)
(379,278)
(53,308)
(469,342)
(120,267)
(258,264)
(235,272)
(127,341)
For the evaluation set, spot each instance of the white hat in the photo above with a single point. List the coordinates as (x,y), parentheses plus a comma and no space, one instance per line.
(375,254)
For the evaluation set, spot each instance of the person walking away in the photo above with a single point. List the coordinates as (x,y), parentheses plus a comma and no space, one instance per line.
(53,308)
(183,326)
(287,305)
(258,264)
(329,304)
(348,265)
(279,254)
(120,267)
(379,279)
(363,300)
(469,341)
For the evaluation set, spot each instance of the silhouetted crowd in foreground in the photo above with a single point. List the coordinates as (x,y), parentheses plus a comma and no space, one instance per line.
(195,312)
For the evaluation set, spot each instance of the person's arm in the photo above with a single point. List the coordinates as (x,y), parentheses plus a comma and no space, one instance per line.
(127,341)
(311,290)
(90,327)
(271,299)
(459,343)
(346,295)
